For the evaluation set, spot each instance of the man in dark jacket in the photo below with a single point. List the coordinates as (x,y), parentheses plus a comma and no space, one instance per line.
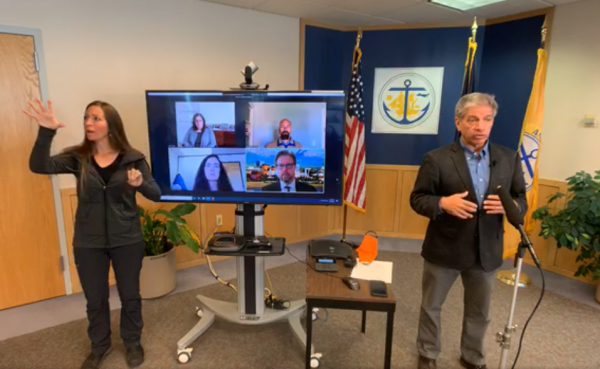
(456,189)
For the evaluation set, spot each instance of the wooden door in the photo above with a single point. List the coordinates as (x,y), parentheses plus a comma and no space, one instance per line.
(30,268)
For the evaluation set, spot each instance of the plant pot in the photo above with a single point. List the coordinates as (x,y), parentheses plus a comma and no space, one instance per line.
(159,275)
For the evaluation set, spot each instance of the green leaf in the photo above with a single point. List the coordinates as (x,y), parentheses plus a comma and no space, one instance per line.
(540,213)
(189,240)
(173,233)
(574,232)
(183,209)
(170,215)
(584,241)
(554,197)
(562,240)
(148,223)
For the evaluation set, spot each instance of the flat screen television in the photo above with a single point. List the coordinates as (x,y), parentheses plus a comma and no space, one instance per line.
(255,147)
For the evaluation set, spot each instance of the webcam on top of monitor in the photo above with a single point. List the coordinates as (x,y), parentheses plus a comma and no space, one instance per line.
(248,83)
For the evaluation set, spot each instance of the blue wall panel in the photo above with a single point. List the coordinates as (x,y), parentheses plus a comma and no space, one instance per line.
(504,66)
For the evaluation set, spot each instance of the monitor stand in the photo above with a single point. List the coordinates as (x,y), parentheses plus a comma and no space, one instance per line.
(250,306)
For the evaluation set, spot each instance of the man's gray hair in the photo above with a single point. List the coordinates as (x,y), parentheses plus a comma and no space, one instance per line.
(475,99)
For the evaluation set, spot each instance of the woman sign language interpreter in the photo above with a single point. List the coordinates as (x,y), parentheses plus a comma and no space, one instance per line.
(107,230)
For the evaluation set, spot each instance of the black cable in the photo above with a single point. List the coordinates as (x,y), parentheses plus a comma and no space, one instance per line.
(310,266)
(531,316)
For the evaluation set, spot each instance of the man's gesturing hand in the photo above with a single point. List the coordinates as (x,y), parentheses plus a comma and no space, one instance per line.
(493,205)
(459,207)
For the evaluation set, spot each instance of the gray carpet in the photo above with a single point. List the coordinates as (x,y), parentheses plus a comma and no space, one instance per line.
(562,334)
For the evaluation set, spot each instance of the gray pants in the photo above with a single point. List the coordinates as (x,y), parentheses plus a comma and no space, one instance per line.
(437,281)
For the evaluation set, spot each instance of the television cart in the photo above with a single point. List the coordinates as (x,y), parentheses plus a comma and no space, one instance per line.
(250,307)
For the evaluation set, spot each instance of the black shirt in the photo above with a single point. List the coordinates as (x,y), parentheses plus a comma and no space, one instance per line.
(107,172)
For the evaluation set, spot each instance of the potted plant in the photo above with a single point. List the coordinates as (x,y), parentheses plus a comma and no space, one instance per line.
(163,230)
(577,226)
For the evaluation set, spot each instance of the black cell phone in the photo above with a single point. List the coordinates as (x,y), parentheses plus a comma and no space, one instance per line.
(378,288)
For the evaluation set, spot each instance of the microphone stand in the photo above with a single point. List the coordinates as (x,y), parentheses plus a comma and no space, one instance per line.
(504,338)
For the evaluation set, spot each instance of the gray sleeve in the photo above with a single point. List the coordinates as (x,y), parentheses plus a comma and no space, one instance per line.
(212,140)
(41,162)
(186,139)
(149,188)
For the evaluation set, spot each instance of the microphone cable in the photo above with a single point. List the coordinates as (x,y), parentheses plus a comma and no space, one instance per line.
(530,316)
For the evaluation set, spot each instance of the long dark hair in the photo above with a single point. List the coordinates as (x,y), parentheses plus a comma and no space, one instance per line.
(194,128)
(201,183)
(116,137)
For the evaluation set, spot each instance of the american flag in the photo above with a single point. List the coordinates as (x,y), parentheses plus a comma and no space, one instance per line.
(355,178)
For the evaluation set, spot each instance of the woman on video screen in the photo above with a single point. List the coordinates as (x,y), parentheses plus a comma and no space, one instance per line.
(199,134)
(212,176)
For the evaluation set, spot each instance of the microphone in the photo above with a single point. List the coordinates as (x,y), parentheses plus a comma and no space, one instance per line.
(515,218)
(493,164)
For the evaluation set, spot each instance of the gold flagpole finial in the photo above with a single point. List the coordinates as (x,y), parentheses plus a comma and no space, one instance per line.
(474,28)
(544,32)
(359,37)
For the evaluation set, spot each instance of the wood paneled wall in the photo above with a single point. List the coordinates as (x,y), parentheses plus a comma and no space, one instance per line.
(388,208)
(389,214)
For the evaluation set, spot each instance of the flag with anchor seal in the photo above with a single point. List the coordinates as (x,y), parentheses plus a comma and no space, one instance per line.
(407,100)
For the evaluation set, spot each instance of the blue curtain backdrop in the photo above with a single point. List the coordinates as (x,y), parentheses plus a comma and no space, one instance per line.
(504,66)
(507,69)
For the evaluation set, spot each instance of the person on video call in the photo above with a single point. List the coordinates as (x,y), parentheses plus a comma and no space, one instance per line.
(199,134)
(455,188)
(285,137)
(212,175)
(109,172)
(285,167)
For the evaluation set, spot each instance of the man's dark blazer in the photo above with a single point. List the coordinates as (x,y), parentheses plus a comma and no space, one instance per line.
(300,187)
(452,242)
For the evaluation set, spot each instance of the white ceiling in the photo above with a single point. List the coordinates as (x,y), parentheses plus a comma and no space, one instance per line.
(353,13)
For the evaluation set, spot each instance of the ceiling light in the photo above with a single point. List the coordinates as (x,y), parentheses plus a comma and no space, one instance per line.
(465,4)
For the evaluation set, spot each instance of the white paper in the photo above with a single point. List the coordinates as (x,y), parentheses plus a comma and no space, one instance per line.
(376,271)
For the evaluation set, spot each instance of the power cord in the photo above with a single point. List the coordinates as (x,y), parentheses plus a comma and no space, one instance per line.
(271,300)
(209,262)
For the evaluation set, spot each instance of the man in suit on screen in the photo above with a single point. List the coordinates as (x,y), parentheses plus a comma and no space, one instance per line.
(456,189)
(285,167)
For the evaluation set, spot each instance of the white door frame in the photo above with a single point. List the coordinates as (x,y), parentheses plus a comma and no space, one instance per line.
(60,226)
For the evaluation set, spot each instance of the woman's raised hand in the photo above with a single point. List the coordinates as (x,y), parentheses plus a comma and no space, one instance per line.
(44,117)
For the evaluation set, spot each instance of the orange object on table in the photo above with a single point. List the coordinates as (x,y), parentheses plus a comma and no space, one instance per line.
(367,251)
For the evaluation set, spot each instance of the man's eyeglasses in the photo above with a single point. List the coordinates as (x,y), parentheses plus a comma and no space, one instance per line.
(286,166)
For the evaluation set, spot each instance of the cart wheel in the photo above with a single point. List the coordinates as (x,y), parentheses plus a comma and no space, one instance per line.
(199,312)
(315,362)
(184,357)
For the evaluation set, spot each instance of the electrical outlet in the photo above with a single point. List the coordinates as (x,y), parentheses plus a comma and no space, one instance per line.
(219,220)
